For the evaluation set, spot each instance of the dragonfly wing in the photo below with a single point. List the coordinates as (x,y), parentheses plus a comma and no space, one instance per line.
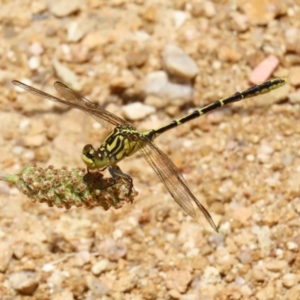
(75,100)
(94,110)
(173,180)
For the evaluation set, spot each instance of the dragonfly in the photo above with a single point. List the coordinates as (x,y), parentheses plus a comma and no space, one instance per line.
(124,140)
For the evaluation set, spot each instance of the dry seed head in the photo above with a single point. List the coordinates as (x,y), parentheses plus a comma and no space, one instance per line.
(67,188)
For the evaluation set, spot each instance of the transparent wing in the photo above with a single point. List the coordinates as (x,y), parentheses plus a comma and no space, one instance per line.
(173,180)
(75,100)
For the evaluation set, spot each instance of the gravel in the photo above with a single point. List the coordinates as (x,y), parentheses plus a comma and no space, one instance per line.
(159,63)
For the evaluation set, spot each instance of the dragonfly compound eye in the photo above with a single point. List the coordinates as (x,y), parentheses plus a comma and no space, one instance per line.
(88,155)
(89,151)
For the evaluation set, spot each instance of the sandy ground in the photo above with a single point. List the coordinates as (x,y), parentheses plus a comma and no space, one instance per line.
(241,162)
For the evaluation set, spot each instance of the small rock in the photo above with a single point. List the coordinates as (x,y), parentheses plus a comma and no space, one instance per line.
(224,260)
(294,97)
(209,9)
(178,280)
(150,14)
(69,235)
(292,40)
(240,281)
(239,22)
(189,297)
(266,293)
(293,246)
(289,280)
(125,283)
(242,214)
(100,266)
(155,101)
(293,293)
(265,149)
(264,237)
(157,83)
(83,258)
(197,9)
(217,239)
(203,9)
(56,278)
(264,70)
(77,30)
(19,249)
(246,290)
(211,275)
(276,265)
(245,257)
(34,62)
(122,82)
(38,7)
(36,49)
(178,63)
(5,256)
(254,59)
(64,8)
(178,91)
(136,59)
(42,154)
(67,75)
(97,288)
(174,294)
(63,295)
(258,275)
(78,54)
(48,267)
(111,249)
(227,54)
(137,111)
(179,17)
(34,141)
(94,40)
(259,13)
(295,75)
(24,282)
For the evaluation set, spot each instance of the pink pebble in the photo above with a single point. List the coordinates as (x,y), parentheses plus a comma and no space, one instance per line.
(264,70)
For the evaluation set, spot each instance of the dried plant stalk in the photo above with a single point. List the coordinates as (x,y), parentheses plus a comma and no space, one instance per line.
(67,188)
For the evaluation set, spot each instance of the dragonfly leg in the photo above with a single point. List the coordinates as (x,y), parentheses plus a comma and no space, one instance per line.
(117,172)
(95,180)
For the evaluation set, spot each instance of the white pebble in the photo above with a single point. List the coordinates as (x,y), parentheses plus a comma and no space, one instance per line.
(157,83)
(289,280)
(36,49)
(292,246)
(48,267)
(209,9)
(179,18)
(137,111)
(34,62)
(100,266)
(178,63)
(17,150)
(211,275)
(24,124)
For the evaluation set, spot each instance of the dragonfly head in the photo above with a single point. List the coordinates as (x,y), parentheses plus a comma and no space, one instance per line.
(94,159)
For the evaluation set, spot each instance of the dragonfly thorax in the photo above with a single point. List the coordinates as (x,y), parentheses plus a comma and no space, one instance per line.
(94,159)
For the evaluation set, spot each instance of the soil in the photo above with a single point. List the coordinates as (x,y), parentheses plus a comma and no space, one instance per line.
(242,162)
